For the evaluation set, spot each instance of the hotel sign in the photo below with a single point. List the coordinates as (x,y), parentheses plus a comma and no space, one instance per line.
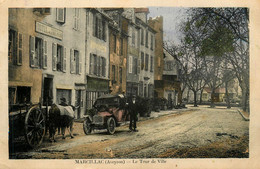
(47,30)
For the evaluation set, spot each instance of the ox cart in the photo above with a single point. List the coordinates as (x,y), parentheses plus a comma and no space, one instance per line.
(27,121)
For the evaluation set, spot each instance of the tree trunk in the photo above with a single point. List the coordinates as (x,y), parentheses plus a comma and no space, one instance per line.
(212,104)
(227,96)
(195,99)
(188,96)
(245,99)
(201,92)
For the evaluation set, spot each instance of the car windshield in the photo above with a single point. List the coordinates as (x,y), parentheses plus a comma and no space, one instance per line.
(107,102)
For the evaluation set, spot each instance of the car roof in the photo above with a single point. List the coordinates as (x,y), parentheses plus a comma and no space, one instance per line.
(106,96)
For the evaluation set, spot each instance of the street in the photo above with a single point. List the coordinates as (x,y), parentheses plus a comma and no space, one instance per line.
(199,132)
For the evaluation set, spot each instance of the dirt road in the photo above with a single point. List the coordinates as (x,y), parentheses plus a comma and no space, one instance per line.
(195,132)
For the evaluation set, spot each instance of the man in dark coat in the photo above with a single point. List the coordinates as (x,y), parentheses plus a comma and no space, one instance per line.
(133,114)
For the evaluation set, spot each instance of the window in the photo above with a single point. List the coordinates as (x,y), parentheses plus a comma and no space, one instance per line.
(133,36)
(142,37)
(91,64)
(19,95)
(130,64)
(142,60)
(145,90)
(146,39)
(15,47)
(103,61)
(151,42)
(135,66)
(114,37)
(97,65)
(60,15)
(76,60)
(121,46)
(113,74)
(146,61)
(63,93)
(58,58)
(99,27)
(141,88)
(76,18)
(38,52)
(120,74)
(151,64)
(44,11)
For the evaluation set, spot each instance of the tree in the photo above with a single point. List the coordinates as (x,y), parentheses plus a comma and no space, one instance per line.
(225,37)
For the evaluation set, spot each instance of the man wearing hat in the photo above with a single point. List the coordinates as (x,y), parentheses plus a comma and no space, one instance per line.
(133,114)
(63,102)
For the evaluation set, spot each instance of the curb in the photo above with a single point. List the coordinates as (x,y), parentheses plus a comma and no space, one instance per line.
(245,118)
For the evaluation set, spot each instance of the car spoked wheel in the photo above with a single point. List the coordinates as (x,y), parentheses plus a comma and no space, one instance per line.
(111,125)
(87,126)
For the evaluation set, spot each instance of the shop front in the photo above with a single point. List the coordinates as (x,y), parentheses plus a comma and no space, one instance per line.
(95,88)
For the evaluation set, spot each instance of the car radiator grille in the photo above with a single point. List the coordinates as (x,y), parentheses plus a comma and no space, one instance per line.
(98,119)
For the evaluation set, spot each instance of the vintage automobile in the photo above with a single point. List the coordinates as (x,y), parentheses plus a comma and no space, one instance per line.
(110,112)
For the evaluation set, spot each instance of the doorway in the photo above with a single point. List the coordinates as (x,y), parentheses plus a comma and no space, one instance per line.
(47,91)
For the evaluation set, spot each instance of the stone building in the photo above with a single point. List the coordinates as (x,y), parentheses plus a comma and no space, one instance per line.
(133,58)
(118,36)
(169,86)
(56,49)
(157,25)
(97,54)
(147,53)
(24,81)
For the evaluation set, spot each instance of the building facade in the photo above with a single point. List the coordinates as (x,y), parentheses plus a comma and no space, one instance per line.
(54,54)
(97,55)
(24,81)
(169,86)
(146,53)
(118,36)
(133,58)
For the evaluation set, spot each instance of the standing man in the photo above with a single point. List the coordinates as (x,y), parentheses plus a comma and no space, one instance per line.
(133,114)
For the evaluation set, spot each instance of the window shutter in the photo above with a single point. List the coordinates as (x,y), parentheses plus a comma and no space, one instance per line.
(32,51)
(44,54)
(104,67)
(54,56)
(20,49)
(72,67)
(94,24)
(130,64)
(138,66)
(91,64)
(80,64)
(60,15)
(78,18)
(64,59)
(98,65)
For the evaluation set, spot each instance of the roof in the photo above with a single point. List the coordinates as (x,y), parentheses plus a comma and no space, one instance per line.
(106,96)
(218,90)
(140,10)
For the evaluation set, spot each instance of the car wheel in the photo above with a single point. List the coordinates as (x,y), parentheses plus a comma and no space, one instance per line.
(111,125)
(87,126)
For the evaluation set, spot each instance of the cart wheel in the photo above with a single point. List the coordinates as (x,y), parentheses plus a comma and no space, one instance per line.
(87,126)
(34,127)
(111,125)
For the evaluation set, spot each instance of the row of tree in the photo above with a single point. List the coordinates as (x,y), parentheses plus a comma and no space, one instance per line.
(214,50)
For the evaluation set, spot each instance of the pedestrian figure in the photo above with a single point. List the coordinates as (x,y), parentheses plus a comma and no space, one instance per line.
(133,114)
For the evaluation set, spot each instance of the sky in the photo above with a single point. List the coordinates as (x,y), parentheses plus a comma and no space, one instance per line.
(172,17)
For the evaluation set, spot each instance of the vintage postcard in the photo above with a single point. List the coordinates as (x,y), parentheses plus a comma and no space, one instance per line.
(91,84)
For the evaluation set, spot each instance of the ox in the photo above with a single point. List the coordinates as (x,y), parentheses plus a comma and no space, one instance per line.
(61,117)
